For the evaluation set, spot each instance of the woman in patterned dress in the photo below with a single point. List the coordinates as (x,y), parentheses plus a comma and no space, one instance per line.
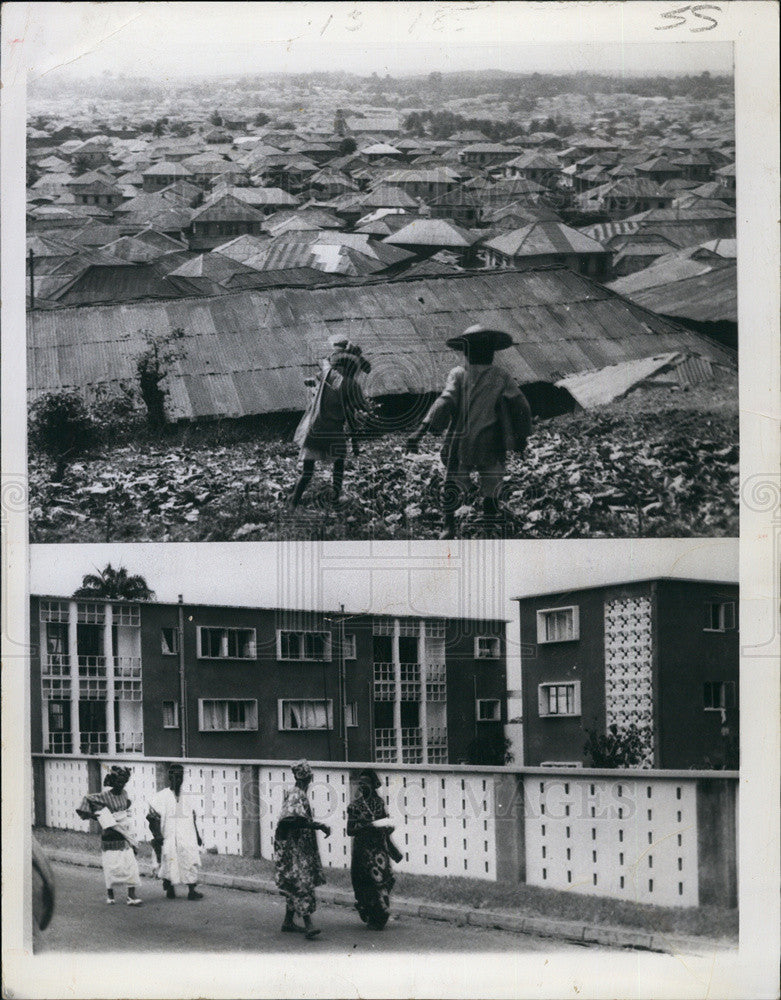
(371,872)
(299,869)
(118,846)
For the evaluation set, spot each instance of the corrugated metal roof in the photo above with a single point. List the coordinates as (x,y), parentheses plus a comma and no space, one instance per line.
(707,297)
(249,352)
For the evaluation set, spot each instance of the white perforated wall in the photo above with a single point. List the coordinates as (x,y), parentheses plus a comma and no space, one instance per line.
(444,823)
(629,838)
(216,795)
(66,786)
(628,667)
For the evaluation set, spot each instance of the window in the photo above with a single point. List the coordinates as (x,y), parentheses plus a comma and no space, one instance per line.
(57,720)
(226,643)
(717,695)
(227,715)
(488,710)
(559,699)
(351,713)
(558,625)
(303,645)
(487,647)
(170,715)
(306,714)
(349,648)
(169,641)
(719,616)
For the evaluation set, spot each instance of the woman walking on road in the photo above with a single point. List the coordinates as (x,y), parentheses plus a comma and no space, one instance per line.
(118,846)
(172,821)
(299,869)
(332,413)
(371,872)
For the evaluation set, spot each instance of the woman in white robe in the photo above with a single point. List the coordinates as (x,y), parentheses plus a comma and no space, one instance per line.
(172,821)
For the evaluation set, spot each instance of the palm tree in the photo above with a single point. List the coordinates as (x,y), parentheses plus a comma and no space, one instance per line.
(115,584)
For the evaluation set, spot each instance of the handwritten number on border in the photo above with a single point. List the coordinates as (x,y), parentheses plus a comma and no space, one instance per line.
(678,17)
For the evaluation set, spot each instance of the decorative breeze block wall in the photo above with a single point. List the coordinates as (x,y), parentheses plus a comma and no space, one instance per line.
(628,667)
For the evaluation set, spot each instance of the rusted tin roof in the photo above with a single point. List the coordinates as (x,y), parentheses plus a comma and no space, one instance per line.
(248,352)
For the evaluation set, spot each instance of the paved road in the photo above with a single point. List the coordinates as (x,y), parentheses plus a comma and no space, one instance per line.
(230,920)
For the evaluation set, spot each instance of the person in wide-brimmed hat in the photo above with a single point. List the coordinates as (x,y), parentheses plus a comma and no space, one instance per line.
(334,410)
(484,415)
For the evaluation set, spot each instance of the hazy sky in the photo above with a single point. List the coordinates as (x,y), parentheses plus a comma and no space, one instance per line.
(172,39)
(421,577)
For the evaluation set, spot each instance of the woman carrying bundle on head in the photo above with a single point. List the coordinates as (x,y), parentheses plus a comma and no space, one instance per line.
(333,412)
(111,809)
(372,876)
(484,415)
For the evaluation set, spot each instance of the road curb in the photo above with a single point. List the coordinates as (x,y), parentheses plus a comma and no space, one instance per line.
(561,930)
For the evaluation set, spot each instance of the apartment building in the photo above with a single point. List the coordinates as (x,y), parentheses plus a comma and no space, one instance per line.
(204,681)
(662,654)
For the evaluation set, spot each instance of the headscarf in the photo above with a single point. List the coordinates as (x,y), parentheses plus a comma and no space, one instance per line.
(302,770)
(370,777)
(117,773)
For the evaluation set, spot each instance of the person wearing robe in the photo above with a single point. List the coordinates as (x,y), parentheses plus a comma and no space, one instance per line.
(171,819)
(370,869)
(484,416)
(336,406)
(299,869)
(111,809)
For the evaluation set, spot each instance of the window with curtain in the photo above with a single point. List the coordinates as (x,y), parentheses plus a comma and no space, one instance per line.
(306,714)
(227,714)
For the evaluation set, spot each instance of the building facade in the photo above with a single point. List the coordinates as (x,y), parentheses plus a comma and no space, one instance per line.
(175,680)
(662,654)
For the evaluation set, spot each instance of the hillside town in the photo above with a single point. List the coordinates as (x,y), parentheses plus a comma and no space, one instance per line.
(232,230)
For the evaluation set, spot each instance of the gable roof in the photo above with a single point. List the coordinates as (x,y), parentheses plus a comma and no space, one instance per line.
(248,352)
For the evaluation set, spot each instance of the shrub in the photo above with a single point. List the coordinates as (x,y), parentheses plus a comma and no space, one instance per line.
(61,426)
(616,749)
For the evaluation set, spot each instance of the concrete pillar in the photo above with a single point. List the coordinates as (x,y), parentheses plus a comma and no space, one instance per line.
(94,784)
(108,655)
(161,775)
(397,698)
(39,792)
(510,831)
(717,846)
(73,659)
(250,810)
(423,708)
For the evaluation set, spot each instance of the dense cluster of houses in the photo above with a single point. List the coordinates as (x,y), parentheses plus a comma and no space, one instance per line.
(118,215)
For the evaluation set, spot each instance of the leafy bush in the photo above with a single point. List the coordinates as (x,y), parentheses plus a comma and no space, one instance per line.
(616,749)
(61,426)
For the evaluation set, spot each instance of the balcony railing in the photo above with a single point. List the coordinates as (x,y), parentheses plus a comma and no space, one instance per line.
(60,743)
(94,743)
(436,682)
(410,681)
(384,682)
(130,742)
(127,666)
(412,746)
(385,746)
(56,664)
